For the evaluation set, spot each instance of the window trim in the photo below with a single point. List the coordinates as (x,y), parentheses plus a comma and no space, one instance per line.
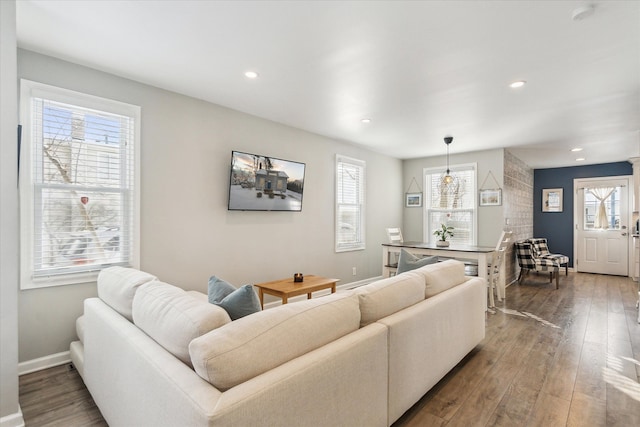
(361,244)
(27,184)
(427,232)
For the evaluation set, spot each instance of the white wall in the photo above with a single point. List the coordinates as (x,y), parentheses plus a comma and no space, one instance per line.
(490,218)
(9,407)
(187,232)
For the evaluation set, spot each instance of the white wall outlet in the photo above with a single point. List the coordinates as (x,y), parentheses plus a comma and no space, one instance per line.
(354,271)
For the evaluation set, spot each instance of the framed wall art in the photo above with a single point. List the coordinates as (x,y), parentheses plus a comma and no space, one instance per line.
(552,200)
(413,200)
(491,197)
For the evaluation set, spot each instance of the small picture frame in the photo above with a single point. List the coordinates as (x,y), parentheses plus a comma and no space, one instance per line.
(552,200)
(413,200)
(490,197)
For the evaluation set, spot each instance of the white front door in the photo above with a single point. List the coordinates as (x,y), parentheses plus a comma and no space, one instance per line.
(601,236)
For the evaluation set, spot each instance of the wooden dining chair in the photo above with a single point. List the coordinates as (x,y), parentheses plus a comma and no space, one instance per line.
(495,267)
(395,235)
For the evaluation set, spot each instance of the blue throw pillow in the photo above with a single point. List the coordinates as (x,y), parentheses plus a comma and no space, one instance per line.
(219,289)
(408,261)
(241,302)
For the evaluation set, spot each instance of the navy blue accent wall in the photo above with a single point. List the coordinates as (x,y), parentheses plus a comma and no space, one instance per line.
(558,227)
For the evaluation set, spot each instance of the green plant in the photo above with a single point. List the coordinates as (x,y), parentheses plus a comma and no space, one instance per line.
(443,232)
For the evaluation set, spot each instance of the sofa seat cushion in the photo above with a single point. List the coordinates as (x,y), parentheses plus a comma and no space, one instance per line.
(173,317)
(387,296)
(255,344)
(441,276)
(117,286)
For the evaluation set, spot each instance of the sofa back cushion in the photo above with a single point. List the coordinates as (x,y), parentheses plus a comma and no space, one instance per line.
(118,285)
(387,296)
(252,345)
(173,317)
(441,276)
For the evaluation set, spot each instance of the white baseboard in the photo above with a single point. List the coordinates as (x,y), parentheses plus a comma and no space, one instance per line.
(345,286)
(43,363)
(13,420)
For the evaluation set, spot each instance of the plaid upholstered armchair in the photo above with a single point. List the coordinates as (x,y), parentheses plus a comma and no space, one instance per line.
(533,255)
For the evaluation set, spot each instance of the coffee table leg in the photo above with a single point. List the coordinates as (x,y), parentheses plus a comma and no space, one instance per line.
(309,295)
(284,299)
(333,288)
(261,296)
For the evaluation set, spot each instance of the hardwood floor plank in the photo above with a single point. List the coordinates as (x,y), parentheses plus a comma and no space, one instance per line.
(549,411)
(620,359)
(589,379)
(623,401)
(597,326)
(562,375)
(444,402)
(516,406)
(587,411)
(481,403)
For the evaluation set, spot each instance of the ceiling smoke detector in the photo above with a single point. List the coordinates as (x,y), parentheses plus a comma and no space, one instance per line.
(582,12)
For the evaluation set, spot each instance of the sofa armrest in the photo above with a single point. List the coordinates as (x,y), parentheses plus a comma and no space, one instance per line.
(134,381)
(428,339)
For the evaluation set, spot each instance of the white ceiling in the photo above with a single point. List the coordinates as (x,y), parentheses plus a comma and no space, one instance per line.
(418,70)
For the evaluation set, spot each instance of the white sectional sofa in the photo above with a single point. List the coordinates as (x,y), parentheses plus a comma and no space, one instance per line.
(152,354)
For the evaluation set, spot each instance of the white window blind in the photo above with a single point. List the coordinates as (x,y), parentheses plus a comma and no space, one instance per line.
(451,204)
(80,210)
(350,182)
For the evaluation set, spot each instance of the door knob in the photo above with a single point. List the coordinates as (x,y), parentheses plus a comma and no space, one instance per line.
(624,234)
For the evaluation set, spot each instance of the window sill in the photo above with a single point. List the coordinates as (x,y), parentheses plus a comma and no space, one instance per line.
(28,283)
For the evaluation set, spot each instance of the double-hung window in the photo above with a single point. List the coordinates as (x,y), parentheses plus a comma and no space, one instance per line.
(350,177)
(452,204)
(78,185)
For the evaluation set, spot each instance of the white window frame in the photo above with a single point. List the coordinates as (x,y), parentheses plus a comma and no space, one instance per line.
(358,243)
(427,231)
(28,91)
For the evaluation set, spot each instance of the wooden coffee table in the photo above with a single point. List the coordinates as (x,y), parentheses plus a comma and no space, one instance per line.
(286,288)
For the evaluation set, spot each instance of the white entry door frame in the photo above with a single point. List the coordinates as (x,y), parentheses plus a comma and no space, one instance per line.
(602,243)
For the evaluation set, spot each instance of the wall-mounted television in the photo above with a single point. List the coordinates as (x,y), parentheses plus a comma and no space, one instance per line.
(264,183)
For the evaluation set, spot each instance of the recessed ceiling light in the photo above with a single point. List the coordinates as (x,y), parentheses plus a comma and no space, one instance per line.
(580,159)
(582,12)
(517,84)
(366,120)
(251,75)
(576,149)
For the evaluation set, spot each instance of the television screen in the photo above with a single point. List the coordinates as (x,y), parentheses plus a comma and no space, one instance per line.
(262,183)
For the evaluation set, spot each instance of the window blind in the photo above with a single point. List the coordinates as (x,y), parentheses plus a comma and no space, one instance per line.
(350,177)
(82,187)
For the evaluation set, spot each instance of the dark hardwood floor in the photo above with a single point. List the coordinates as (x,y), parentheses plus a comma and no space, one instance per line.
(567,357)
(57,397)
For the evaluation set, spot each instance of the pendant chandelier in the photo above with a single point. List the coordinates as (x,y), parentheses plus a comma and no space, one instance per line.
(447,178)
